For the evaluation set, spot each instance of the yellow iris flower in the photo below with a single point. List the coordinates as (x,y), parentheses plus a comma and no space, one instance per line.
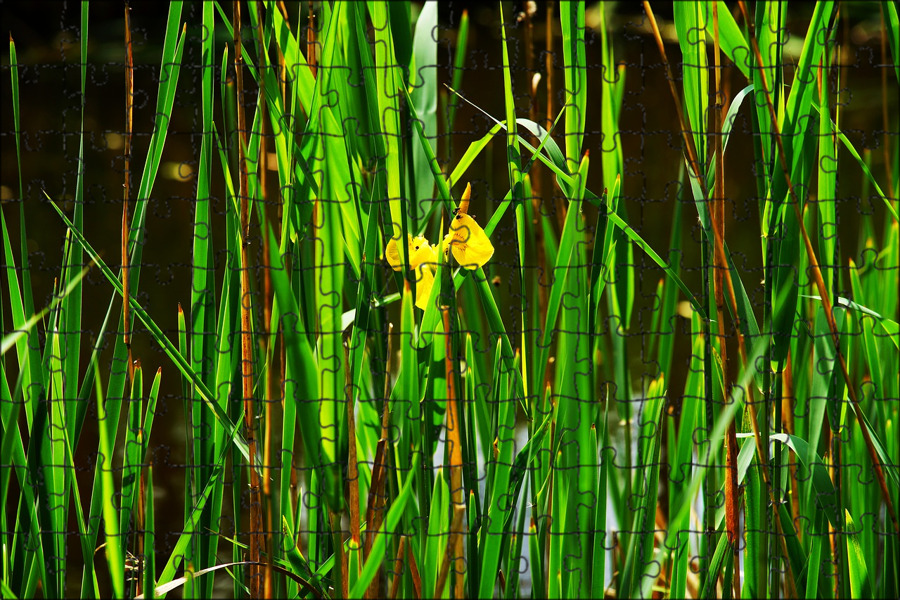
(469,243)
(422,259)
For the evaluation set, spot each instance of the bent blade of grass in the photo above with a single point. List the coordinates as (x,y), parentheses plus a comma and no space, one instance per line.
(727,126)
(562,172)
(643,245)
(157,334)
(11,339)
(868,173)
(177,583)
(171,58)
(827,499)
(475,149)
(873,360)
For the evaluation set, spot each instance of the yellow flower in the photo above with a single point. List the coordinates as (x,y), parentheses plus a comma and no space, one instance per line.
(466,239)
(420,251)
(424,283)
(469,243)
(422,259)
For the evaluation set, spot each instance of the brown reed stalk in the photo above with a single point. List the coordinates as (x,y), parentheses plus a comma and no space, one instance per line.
(255,575)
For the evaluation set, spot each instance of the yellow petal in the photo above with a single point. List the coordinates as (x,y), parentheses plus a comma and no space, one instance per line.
(421,252)
(419,249)
(392,254)
(464,200)
(469,243)
(424,283)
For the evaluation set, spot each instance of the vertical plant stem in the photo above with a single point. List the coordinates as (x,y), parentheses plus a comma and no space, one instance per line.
(454,551)
(352,464)
(340,556)
(788,401)
(560,204)
(537,170)
(267,298)
(129,114)
(398,576)
(126,308)
(376,502)
(886,143)
(548,518)
(255,527)
(311,54)
(732,490)
(837,545)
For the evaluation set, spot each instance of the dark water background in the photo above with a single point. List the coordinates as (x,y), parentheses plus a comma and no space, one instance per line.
(47,39)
